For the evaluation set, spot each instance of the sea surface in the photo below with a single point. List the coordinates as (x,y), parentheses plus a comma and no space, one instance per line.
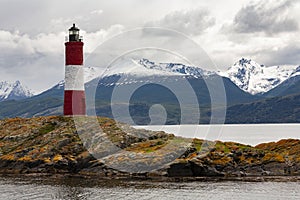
(251,134)
(77,189)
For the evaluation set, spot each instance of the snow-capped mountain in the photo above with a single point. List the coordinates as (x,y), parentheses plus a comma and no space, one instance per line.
(145,67)
(248,75)
(176,68)
(91,73)
(257,79)
(142,68)
(10,91)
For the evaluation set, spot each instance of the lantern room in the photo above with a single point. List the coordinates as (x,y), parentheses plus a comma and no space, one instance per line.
(74,34)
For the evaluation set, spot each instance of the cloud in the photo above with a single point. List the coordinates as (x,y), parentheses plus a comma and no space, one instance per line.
(15,43)
(191,22)
(286,55)
(94,39)
(97,12)
(32,33)
(40,58)
(269,17)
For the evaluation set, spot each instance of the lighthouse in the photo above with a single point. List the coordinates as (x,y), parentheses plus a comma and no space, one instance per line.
(74,94)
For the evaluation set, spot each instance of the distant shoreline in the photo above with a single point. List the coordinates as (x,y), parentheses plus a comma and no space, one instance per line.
(96,178)
(253,134)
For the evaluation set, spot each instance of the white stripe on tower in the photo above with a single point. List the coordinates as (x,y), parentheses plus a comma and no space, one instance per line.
(74,77)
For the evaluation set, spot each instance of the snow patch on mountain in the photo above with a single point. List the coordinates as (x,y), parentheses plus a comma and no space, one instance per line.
(296,73)
(145,67)
(15,90)
(91,73)
(176,68)
(134,68)
(59,85)
(257,79)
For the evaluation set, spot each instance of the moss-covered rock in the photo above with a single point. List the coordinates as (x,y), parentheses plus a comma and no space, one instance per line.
(53,145)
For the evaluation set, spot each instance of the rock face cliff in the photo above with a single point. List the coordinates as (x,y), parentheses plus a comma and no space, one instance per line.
(53,145)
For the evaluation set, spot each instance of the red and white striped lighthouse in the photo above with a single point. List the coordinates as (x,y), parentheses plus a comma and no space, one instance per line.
(74,95)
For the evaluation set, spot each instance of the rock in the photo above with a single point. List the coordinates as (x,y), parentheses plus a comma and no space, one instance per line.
(265,173)
(180,169)
(63,143)
(188,151)
(52,145)
(200,169)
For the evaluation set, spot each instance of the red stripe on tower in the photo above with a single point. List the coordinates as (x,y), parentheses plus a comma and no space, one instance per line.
(74,95)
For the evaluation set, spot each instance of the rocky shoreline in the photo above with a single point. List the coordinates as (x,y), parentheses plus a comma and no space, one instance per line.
(51,146)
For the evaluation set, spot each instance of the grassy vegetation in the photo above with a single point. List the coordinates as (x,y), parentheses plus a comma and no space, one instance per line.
(47,128)
(147,146)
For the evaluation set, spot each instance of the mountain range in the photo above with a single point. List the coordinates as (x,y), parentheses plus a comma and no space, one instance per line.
(254,93)
(259,79)
(13,91)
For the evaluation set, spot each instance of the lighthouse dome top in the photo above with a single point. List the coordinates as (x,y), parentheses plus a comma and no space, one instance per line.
(74,28)
(74,34)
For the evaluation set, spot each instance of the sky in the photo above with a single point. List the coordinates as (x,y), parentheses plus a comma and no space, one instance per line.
(32,33)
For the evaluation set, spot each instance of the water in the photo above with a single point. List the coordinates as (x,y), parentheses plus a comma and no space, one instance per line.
(251,134)
(77,189)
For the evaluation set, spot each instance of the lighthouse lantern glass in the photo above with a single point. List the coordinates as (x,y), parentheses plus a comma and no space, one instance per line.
(74,32)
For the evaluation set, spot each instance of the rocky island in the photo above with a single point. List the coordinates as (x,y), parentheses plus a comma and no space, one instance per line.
(53,146)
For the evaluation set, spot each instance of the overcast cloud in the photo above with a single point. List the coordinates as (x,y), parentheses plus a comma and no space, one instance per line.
(190,22)
(268,16)
(32,32)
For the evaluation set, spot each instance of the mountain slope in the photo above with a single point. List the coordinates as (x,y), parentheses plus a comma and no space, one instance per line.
(284,109)
(47,103)
(258,79)
(149,93)
(288,87)
(13,91)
